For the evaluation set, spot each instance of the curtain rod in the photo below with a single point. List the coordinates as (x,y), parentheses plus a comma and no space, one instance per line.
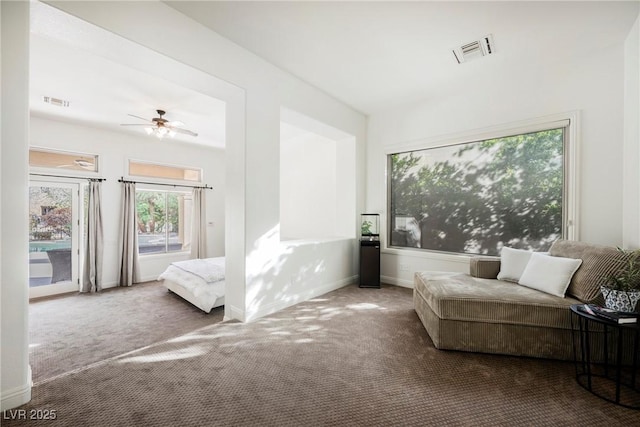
(206,187)
(68,176)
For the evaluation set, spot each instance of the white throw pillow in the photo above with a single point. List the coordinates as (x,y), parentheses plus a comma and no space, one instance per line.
(513,263)
(550,274)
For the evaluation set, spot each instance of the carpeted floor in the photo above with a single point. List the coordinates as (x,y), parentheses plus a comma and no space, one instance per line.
(353,357)
(71,332)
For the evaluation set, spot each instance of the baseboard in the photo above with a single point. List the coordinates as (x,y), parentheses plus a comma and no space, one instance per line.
(396,281)
(311,293)
(234,313)
(142,280)
(17,396)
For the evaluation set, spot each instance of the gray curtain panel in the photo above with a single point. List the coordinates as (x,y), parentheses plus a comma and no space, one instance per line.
(129,266)
(92,276)
(199,225)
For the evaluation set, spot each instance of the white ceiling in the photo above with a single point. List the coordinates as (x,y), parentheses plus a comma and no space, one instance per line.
(375,55)
(371,55)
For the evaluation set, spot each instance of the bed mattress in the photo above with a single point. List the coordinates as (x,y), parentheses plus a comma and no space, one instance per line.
(201,282)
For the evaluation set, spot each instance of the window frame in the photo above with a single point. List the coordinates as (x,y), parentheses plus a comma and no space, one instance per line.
(64,172)
(569,120)
(162,180)
(166,243)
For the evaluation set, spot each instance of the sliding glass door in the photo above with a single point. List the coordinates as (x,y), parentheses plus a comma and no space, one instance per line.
(53,238)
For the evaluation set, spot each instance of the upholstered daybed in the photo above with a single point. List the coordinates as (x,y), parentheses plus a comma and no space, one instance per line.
(477,312)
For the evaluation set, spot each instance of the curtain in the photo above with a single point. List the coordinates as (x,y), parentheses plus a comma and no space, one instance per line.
(92,275)
(199,225)
(129,266)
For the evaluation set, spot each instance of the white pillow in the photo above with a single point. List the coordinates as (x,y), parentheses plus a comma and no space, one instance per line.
(512,263)
(550,274)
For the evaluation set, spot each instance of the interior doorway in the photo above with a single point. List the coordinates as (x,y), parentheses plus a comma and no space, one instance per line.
(54,222)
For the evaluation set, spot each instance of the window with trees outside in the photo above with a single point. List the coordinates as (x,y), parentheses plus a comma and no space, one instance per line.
(476,197)
(164,221)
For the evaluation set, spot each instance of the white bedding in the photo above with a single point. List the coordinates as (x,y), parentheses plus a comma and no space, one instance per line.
(201,282)
(210,270)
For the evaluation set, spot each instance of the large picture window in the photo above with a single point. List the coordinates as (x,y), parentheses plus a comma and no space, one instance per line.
(164,221)
(479,196)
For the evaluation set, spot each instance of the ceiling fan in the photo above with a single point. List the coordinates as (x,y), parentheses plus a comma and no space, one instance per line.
(160,127)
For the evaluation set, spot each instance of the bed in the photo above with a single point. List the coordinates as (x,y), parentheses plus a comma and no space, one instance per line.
(199,281)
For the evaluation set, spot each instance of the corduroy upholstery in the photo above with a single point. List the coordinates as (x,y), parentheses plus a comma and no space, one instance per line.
(474,313)
(598,262)
(484,267)
(458,296)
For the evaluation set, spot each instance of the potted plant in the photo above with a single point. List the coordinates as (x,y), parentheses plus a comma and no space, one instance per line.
(365,228)
(621,290)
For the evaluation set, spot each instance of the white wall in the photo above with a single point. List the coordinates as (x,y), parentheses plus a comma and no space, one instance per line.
(592,84)
(307,187)
(255,91)
(267,90)
(114,150)
(631,165)
(14,359)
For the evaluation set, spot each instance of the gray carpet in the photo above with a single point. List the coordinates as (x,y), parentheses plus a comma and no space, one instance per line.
(70,332)
(353,357)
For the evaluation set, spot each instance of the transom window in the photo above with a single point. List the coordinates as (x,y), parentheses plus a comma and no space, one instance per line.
(61,161)
(476,197)
(169,172)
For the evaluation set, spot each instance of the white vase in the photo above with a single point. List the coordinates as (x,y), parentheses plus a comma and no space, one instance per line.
(620,300)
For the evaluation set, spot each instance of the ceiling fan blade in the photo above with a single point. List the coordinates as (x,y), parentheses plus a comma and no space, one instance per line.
(174,123)
(185,131)
(138,117)
(136,124)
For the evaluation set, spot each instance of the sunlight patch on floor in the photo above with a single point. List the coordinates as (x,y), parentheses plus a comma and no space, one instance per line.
(280,333)
(311,328)
(190,337)
(184,353)
(305,317)
(364,306)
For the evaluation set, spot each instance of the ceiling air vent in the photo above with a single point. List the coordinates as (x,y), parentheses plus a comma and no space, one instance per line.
(474,49)
(55,101)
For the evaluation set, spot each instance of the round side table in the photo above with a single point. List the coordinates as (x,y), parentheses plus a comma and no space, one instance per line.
(606,355)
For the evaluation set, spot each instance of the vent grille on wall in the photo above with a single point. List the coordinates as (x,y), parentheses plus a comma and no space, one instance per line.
(55,101)
(474,49)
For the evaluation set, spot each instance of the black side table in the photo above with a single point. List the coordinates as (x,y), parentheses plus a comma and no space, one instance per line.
(616,380)
(370,263)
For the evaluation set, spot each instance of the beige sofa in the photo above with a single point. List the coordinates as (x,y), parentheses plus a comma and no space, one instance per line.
(476,312)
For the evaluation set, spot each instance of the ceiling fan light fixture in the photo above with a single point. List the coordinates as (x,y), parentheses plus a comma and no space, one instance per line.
(161,127)
(160,131)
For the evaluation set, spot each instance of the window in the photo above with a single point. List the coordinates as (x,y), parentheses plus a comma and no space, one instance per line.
(476,197)
(164,221)
(62,161)
(175,173)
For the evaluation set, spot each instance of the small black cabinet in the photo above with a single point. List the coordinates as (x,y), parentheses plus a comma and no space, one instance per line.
(370,263)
